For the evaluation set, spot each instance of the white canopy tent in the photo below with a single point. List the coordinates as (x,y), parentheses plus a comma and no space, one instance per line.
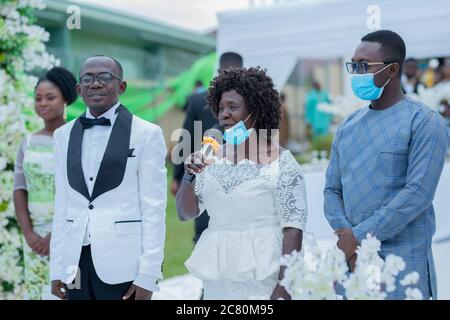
(276,37)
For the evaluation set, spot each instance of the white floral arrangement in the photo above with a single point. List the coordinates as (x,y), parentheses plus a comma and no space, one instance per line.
(313,274)
(434,96)
(22,49)
(343,106)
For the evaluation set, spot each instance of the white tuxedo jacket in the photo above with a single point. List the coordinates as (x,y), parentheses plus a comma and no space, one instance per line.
(126,210)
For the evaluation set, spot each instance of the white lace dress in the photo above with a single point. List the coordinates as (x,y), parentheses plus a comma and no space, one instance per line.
(249,204)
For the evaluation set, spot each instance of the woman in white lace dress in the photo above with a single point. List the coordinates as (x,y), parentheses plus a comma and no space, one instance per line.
(253,190)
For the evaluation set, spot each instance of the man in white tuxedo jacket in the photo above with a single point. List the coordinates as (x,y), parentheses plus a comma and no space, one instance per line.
(109,226)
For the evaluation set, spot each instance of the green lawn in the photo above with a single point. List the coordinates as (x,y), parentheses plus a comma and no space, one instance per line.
(179,236)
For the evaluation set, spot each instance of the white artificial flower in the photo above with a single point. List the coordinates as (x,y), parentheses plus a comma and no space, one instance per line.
(371,243)
(432,97)
(342,106)
(312,273)
(389,281)
(410,279)
(13,14)
(395,264)
(413,294)
(3,163)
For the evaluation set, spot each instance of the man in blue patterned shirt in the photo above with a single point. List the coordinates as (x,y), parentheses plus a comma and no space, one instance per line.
(385,165)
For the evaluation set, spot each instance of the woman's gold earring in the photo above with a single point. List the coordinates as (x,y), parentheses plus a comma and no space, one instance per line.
(65,112)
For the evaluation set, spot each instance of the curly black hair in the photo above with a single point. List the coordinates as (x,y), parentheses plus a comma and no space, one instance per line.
(258,91)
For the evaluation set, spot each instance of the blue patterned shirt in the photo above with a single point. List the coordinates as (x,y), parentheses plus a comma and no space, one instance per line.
(384,169)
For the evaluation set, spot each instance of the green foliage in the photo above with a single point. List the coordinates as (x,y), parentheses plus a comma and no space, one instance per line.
(179,235)
(323,142)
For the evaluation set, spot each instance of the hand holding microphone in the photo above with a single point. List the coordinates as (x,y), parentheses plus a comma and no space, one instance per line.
(197,161)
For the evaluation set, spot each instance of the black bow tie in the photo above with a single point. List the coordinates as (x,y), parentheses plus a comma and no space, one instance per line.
(88,123)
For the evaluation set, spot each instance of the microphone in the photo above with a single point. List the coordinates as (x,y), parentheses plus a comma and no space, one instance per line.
(209,147)
(209,143)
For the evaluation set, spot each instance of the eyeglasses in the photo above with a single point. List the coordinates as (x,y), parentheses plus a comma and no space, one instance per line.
(362,67)
(103,78)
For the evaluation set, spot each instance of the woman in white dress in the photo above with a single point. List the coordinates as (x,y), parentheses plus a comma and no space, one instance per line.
(253,190)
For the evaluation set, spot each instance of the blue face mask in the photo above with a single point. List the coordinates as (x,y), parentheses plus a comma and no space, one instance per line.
(363,85)
(238,133)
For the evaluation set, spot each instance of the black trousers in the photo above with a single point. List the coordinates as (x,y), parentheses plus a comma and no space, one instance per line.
(88,286)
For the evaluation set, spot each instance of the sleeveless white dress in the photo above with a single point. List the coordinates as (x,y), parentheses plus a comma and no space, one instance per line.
(238,255)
